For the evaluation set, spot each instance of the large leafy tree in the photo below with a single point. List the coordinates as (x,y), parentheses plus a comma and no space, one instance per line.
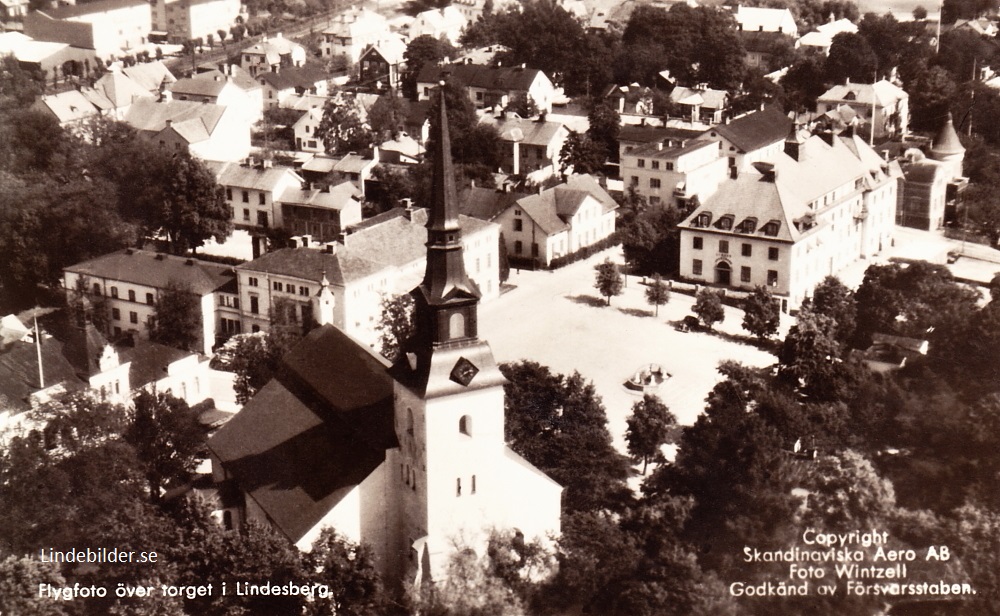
(422,51)
(708,307)
(608,280)
(604,125)
(166,436)
(851,57)
(581,154)
(178,320)
(559,424)
(396,325)
(761,314)
(475,146)
(649,427)
(348,570)
(342,130)
(194,207)
(651,241)
(832,298)
(657,293)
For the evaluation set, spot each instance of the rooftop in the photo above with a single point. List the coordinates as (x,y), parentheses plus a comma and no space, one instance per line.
(192,120)
(757,129)
(157,270)
(479,76)
(253,177)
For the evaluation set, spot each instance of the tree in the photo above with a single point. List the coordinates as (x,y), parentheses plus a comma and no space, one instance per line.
(934,90)
(649,427)
(523,105)
(504,261)
(604,125)
(341,129)
(20,579)
(657,293)
(609,280)
(222,36)
(469,588)
(804,82)
(851,57)
(952,10)
(348,570)
(810,351)
(18,87)
(559,424)
(166,436)
(256,359)
(708,307)
(983,214)
(387,116)
(472,144)
(178,320)
(395,325)
(832,298)
(194,207)
(422,51)
(581,154)
(761,314)
(651,241)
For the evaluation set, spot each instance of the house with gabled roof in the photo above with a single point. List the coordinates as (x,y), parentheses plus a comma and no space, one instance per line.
(222,88)
(131,281)
(444,23)
(271,55)
(380,65)
(291,81)
(352,31)
(72,107)
(701,104)
(206,130)
(153,76)
(406,458)
(490,86)
(121,91)
(753,137)
(530,147)
(760,19)
(253,191)
(882,105)
(821,39)
(673,171)
(106,26)
(824,202)
(322,213)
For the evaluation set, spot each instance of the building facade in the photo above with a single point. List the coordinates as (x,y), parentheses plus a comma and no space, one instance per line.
(673,171)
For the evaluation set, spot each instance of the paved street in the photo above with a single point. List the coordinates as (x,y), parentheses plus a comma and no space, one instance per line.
(556,320)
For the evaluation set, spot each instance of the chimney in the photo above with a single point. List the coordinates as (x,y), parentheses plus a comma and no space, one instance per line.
(267,163)
(169,123)
(542,115)
(330,248)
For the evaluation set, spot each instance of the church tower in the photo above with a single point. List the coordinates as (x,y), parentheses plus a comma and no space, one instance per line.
(948,149)
(449,402)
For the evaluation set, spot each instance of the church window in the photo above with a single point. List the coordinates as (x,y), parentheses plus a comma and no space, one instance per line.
(456,326)
(465,425)
(458,487)
(409,421)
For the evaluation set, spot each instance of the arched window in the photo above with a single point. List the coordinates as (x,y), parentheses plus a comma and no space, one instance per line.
(409,421)
(465,425)
(456,326)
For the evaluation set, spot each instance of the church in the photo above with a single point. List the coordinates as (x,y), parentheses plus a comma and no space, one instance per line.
(407,458)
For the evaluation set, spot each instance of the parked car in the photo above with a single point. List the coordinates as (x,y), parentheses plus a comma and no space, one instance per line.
(688,323)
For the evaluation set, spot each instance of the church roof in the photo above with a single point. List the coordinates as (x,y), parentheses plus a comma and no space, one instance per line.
(947,143)
(313,433)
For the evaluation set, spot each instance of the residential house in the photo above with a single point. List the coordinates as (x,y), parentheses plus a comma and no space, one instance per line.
(762,48)
(759,19)
(701,104)
(754,137)
(253,191)
(674,171)
(390,456)
(232,88)
(153,76)
(279,86)
(530,147)
(881,105)
(558,221)
(13,10)
(826,201)
(353,31)
(208,131)
(403,150)
(304,129)
(631,136)
(380,65)
(71,108)
(131,281)
(108,27)
(121,91)
(271,55)
(632,99)
(185,20)
(489,86)
(821,39)
(444,23)
(321,213)
(350,167)
(376,258)
(981,26)
(931,186)
(416,121)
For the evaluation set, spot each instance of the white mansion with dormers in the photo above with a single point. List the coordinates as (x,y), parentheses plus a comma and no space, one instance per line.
(826,201)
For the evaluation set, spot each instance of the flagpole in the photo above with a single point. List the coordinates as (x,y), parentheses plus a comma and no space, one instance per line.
(38,350)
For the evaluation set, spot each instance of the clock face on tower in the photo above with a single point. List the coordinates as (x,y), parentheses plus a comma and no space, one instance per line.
(463,372)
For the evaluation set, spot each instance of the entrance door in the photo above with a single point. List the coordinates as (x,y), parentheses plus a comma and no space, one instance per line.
(723,273)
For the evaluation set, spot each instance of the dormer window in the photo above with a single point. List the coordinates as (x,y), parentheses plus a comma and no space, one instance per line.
(725,222)
(771,228)
(703,220)
(749,225)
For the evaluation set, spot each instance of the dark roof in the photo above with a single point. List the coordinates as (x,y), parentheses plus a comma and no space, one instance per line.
(486,203)
(647,134)
(310,264)
(294,77)
(19,372)
(64,12)
(923,172)
(156,270)
(757,129)
(149,361)
(313,433)
(479,76)
(416,112)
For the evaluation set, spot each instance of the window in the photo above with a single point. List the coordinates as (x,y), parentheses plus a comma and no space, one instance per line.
(246,196)
(253,282)
(746,250)
(518,247)
(641,162)
(477,265)
(116,314)
(473,490)
(518,224)
(697,243)
(133,317)
(772,278)
(772,253)
(409,421)
(304,291)
(670,166)
(656,164)
(534,249)
(278,286)
(149,299)
(635,180)
(465,425)
(458,486)
(696,267)
(131,295)
(654,182)
(262,219)
(261,199)
(254,304)
(724,246)
(229,194)
(114,292)
(246,215)
(744,274)
(97,289)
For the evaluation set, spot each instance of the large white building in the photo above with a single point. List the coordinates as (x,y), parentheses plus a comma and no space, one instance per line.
(109,27)
(825,202)
(408,459)
(185,20)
